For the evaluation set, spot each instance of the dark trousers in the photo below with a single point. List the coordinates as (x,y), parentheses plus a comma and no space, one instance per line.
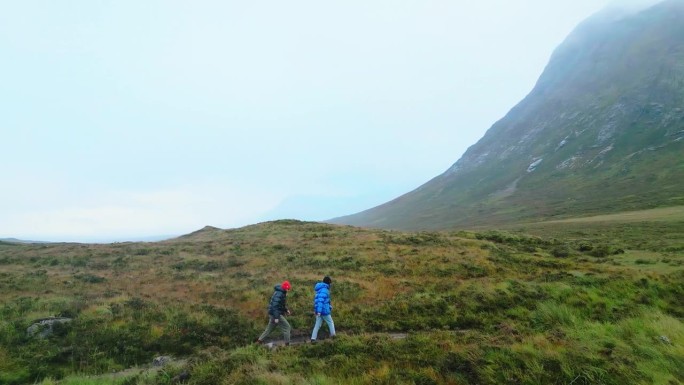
(284,326)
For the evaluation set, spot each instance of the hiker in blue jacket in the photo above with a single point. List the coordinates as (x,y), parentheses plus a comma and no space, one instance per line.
(323,308)
(277,308)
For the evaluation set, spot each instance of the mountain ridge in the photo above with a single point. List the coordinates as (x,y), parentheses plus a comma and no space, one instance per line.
(601,131)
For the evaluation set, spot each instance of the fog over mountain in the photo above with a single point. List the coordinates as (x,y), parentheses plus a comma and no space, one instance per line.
(632,5)
(602,131)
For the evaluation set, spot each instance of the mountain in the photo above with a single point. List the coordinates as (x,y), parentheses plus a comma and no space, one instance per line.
(602,131)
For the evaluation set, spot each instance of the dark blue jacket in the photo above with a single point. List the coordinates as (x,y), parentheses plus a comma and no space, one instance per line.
(322,299)
(278,304)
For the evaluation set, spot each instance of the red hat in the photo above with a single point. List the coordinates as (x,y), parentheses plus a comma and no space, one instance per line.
(286,285)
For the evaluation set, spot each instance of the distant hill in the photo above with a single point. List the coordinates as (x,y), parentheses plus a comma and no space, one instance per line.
(15,240)
(203,234)
(211,233)
(602,131)
(154,238)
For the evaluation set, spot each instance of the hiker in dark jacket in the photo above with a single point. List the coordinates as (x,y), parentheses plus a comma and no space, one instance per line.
(276,309)
(323,308)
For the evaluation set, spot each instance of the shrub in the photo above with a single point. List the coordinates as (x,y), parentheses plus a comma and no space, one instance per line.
(600,251)
(641,261)
(89,278)
(561,251)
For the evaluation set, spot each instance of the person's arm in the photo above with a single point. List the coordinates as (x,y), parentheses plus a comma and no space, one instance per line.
(318,307)
(276,303)
(285,309)
(327,299)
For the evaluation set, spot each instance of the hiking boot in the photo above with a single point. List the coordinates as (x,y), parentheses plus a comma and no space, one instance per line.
(313,341)
(259,342)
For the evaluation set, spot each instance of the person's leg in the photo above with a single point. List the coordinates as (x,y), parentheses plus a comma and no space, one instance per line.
(331,325)
(269,329)
(286,328)
(317,326)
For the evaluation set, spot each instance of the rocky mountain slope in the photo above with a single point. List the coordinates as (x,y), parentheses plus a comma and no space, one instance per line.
(602,131)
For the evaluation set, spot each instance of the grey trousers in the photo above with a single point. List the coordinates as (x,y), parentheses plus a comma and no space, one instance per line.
(284,327)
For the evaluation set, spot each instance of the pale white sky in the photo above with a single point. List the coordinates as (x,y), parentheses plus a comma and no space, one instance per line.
(125,119)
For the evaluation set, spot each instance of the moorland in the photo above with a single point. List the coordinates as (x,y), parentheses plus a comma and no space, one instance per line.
(596,300)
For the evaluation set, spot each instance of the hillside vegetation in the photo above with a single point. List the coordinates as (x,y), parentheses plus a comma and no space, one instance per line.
(572,303)
(601,132)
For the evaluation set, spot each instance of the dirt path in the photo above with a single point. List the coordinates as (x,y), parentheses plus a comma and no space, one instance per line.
(140,371)
(269,343)
(300,340)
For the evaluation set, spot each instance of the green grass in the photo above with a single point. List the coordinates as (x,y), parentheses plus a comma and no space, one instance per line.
(79,380)
(663,214)
(541,303)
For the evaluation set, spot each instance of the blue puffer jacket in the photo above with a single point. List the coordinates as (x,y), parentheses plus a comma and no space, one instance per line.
(322,299)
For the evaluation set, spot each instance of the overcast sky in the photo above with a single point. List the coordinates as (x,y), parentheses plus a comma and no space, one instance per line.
(127,119)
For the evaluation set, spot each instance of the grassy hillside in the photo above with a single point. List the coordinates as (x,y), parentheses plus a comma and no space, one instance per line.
(602,131)
(580,303)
